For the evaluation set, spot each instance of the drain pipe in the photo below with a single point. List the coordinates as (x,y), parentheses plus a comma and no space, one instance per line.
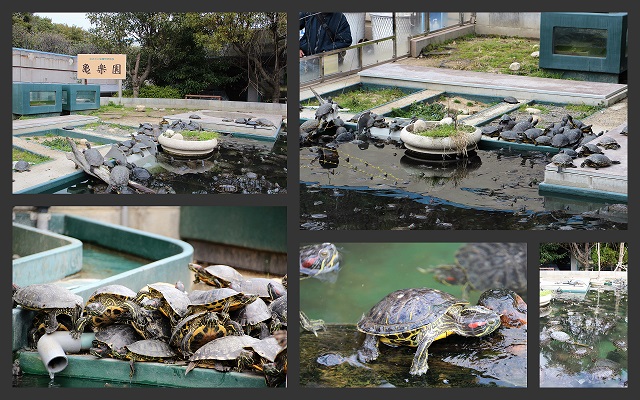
(53,347)
(42,218)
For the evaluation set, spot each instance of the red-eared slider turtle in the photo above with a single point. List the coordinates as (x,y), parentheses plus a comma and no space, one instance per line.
(598,161)
(254,318)
(532,133)
(570,152)
(21,166)
(272,360)
(39,326)
(93,156)
(562,160)
(508,304)
(608,143)
(483,266)
(522,126)
(111,339)
(328,156)
(107,305)
(196,330)
(224,354)
(321,261)
(574,135)
(543,140)
(416,318)
(118,178)
(217,275)
(166,298)
(52,300)
(560,140)
(257,285)
(510,100)
(278,309)
(491,130)
(510,136)
(561,336)
(588,149)
(221,299)
(146,350)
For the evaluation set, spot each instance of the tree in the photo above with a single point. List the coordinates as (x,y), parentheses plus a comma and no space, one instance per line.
(139,35)
(258,38)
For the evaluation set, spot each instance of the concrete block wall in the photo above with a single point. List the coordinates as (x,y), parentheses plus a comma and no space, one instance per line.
(522,24)
(195,104)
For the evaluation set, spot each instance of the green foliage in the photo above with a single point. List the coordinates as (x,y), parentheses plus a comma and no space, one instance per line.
(447,130)
(365,99)
(426,111)
(28,156)
(609,253)
(552,252)
(165,92)
(583,110)
(199,135)
(543,109)
(57,143)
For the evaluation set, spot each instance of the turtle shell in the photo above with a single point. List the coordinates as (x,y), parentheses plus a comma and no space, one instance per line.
(21,166)
(224,348)
(46,296)
(217,275)
(218,299)
(278,309)
(259,286)
(112,339)
(174,302)
(253,313)
(508,304)
(406,310)
(324,110)
(493,265)
(108,304)
(598,161)
(93,156)
(149,349)
(119,175)
(562,160)
(196,330)
(268,348)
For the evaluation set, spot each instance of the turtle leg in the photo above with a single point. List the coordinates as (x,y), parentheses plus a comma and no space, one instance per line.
(52,322)
(369,350)
(132,369)
(419,365)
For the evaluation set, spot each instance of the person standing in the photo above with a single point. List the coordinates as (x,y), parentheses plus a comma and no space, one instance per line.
(323,31)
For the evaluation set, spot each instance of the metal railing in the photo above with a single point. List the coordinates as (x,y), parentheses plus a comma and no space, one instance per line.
(383,48)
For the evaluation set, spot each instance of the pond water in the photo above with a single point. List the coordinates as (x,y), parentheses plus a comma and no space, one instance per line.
(597,326)
(381,187)
(370,271)
(236,166)
(43,381)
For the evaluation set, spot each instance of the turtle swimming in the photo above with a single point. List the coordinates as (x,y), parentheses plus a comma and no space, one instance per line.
(321,261)
(417,317)
(483,266)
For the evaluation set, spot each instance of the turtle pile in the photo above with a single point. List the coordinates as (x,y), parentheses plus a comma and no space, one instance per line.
(566,133)
(237,325)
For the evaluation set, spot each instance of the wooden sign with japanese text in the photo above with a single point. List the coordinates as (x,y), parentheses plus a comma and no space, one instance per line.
(102,66)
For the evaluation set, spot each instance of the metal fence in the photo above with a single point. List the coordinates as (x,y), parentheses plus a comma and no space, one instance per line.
(391,34)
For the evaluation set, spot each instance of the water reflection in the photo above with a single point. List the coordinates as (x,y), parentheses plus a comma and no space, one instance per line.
(599,323)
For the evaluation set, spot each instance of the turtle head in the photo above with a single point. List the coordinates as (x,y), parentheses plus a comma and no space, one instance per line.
(478,321)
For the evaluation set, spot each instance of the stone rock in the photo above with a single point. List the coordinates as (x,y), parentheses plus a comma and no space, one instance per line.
(514,66)
(419,126)
(446,120)
(535,54)
(532,110)
(140,107)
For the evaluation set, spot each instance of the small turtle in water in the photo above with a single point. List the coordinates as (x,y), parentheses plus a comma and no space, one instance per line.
(317,260)
(562,160)
(561,336)
(608,143)
(598,161)
(21,166)
(508,304)
(416,318)
(311,325)
(483,266)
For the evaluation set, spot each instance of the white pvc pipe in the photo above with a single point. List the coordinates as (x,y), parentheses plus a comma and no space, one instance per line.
(53,347)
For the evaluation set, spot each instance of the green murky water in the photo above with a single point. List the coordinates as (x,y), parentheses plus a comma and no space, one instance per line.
(596,322)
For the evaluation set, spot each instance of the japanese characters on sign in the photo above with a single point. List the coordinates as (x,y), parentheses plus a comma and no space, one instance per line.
(102,66)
